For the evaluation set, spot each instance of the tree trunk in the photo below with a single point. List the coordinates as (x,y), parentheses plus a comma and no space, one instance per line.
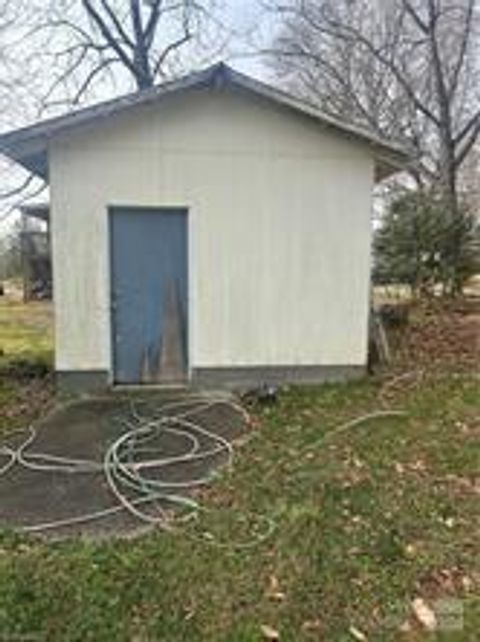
(143,76)
(449,192)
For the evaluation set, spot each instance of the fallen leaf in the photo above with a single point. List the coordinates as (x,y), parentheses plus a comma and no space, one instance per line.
(418,466)
(424,614)
(273,591)
(274,583)
(208,536)
(312,625)
(467,583)
(410,550)
(405,627)
(357,634)
(269,633)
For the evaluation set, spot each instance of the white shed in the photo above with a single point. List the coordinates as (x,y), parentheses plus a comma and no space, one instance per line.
(212,231)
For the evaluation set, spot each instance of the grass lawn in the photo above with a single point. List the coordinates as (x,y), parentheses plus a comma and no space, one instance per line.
(364,522)
(25,330)
(26,348)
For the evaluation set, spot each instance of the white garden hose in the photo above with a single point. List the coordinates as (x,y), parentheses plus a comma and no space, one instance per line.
(126,474)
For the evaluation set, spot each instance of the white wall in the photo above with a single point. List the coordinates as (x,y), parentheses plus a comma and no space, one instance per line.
(279,225)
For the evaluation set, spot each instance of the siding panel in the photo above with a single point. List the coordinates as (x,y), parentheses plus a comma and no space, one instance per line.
(279,230)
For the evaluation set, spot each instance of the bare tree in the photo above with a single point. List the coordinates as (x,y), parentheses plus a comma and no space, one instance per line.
(62,53)
(134,48)
(17,91)
(136,39)
(407,68)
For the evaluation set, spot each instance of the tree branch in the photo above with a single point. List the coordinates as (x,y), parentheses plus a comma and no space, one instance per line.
(106,33)
(153,20)
(12,208)
(187,36)
(117,24)
(348,33)
(19,189)
(468,144)
(471,124)
(106,62)
(463,49)
(423,26)
(169,49)
(144,76)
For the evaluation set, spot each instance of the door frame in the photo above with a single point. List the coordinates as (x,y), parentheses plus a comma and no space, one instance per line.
(111,209)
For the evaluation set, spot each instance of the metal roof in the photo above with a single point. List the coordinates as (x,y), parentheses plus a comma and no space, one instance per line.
(29,145)
(39,211)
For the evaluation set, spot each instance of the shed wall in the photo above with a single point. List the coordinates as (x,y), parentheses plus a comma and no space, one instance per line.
(279,229)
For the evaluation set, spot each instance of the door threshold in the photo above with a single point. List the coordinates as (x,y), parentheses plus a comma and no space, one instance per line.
(146,387)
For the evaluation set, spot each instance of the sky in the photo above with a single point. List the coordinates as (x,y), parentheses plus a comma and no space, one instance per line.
(244,13)
(248,16)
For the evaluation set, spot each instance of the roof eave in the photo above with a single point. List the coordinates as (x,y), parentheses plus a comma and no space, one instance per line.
(388,163)
(32,155)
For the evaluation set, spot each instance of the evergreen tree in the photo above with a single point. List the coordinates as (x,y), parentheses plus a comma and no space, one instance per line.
(418,245)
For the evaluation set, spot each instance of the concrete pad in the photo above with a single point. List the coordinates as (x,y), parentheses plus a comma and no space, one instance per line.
(84,430)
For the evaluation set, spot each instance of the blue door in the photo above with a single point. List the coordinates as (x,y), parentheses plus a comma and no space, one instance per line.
(149,289)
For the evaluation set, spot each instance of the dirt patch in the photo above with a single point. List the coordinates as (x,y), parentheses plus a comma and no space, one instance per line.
(441,335)
(83,431)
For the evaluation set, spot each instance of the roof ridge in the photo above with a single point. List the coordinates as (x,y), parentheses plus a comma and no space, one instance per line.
(216,76)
